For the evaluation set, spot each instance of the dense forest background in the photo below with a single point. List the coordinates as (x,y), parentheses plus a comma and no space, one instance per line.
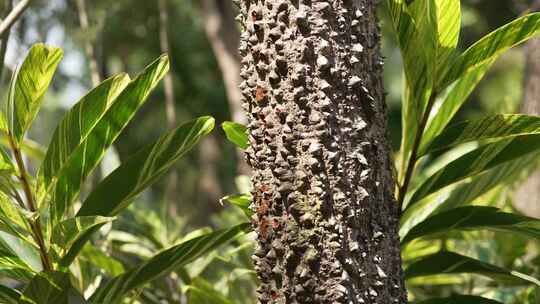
(124,35)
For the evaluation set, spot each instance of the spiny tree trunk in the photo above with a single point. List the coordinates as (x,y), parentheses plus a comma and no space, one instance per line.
(326,217)
(528,195)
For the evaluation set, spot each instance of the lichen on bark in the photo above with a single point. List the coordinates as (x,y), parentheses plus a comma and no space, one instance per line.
(326,219)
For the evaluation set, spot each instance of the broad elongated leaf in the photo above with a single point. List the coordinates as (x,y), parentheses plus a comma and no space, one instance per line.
(76,125)
(446,262)
(164,262)
(490,127)
(477,162)
(51,288)
(29,86)
(475,217)
(136,174)
(86,155)
(65,233)
(100,259)
(9,295)
(466,192)
(448,104)
(21,249)
(143,168)
(492,46)
(460,300)
(236,133)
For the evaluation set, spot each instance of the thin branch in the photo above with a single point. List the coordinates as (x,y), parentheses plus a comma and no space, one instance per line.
(13,16)
(4,40)
(34,224)
(411,164)
(88,46)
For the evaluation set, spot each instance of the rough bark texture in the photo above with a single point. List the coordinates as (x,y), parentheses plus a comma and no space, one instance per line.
(326,217)
(527,197)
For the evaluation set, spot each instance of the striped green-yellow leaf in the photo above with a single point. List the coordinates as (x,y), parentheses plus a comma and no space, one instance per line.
(460,300)
(65,183)
(177,256)
(446,262)
(136,174)
(474,218)
(9,295)
(490,127)
(476,162)
(51,288)
(491,46)
(67,232)
(28,87)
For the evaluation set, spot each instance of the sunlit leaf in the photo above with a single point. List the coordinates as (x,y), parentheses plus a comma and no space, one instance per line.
(491,46)
(88,150)
(67,232)
(473,218)
(28,87)
(491,127)
(446,262)
(476,162)
(137,173)
(236,133)
(460,300)
(241,201)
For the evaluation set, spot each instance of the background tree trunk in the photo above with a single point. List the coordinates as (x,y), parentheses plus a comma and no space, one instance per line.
(527,198)
(223,34)
(326,217)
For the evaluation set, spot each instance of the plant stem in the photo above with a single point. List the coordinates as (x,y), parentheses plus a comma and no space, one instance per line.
(34,224)
(13,16)
(411,164)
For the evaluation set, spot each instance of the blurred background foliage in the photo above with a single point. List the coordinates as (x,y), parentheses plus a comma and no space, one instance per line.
(125,35)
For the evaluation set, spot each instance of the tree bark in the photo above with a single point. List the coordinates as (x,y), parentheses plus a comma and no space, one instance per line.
(326,218)
(527,198)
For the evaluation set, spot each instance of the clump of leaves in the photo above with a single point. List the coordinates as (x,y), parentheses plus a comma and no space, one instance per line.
(443,169)
(43,233)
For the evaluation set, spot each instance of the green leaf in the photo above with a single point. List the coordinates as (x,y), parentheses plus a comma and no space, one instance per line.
(77,124)
(460,300)
(144,168)
(236,133)
(67,232)
(65,184)
(51,288)
(21,249)
(163,263)
(491,46)
(448,104)
(137,173)
(9,295)
(28,146)
(490,127)
(476,162)
(473,218)
(100,259)
(446,262)
(28,87)
(202,292)
(241,201)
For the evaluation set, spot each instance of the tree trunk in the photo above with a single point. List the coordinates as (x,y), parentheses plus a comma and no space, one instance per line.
(527,198)
(326,218)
